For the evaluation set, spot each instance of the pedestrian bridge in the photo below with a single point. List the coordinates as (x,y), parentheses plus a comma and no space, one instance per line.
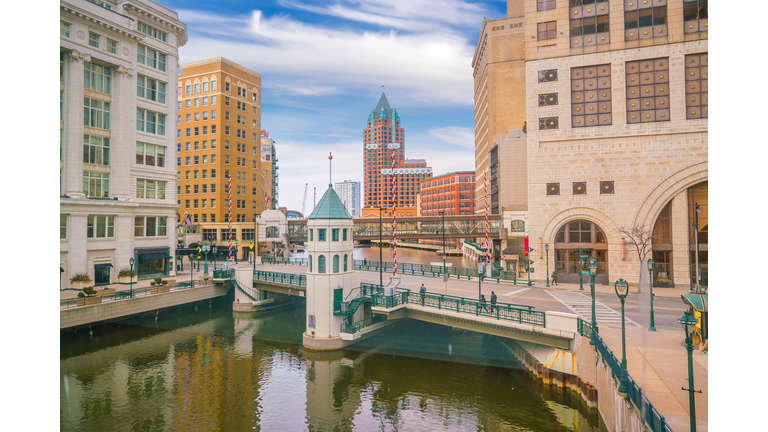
(514,321)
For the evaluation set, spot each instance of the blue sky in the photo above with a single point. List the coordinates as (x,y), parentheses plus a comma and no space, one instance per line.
(322,65)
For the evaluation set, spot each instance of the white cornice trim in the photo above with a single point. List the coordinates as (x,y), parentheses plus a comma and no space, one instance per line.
(179,30)
(79,13)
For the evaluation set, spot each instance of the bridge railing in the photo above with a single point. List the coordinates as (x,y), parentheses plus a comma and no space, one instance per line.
(281,278)
(649,413)
(285,261)
(137,292)
(224,274)
(500,276)
(355,327)
(585,328)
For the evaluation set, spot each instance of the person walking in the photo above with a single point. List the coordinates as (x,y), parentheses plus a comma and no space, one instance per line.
(482,303)
(554,278)
(493,300)
(365,262)
(422,292)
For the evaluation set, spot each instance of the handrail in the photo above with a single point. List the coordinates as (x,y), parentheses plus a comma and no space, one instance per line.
(281,278)
(244,289)
(137,292)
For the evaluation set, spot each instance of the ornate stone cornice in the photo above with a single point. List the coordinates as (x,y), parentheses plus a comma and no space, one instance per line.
(151,16)
(78,57)
(126,72)
(73,11)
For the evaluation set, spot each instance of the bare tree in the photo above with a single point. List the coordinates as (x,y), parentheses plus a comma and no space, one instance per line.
(640,239)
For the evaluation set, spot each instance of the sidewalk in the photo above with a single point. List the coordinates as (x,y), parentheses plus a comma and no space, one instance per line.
(608,289)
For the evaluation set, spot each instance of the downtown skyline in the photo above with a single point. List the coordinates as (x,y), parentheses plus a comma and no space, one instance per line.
(323,67)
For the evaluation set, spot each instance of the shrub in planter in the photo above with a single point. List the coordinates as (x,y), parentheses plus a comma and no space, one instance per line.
(126,273)
(80,277)
(160,286)
(88,296)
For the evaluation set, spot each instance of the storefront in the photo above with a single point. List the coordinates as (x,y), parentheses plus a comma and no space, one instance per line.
(584,236)
(152,262)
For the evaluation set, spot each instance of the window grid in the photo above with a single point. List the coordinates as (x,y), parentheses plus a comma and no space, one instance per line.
(101,226)
(648,90)
(150,189)
(591,96)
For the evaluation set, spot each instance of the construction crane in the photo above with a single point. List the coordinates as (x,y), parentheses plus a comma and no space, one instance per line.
(304,204)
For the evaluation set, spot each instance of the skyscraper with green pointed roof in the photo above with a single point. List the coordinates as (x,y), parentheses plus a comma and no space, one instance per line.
(383,135)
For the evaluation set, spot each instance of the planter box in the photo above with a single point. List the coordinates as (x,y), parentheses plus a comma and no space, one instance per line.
(126,279)
(81,285)
(106,292)
(85,301)
(663,284)
(160,289)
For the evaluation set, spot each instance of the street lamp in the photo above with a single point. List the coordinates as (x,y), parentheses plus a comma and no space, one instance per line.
(546,249)
(445,273)
(688,321)
(622,289)
(581,271)
(206,248)
(696,235)
(215,251)
(381,264)
(253,244)
(650,274)
(191,269)
(131,262)
(592,275)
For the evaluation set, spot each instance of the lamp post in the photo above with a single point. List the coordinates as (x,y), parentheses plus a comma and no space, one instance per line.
(650,274)
(479,279)
(622,289)
(581,270)
(215,250)
(253,244)
(688,321)
(131,262)
(206,248)
(696,235)
(445,273)
(191,269)
(546,249)
(592,275)
(381,265)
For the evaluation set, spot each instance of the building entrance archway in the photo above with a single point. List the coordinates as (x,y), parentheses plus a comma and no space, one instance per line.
(591,239)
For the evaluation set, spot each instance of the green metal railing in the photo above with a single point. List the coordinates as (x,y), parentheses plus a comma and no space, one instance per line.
(224,274)
(137,292)
(281,278)
(285,261)
(502,311)
(354,328)
(476,246)
(585,328)
(650,415)
(249,292)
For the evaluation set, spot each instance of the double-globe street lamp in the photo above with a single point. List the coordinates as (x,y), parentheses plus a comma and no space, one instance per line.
(687,322)
(445,273)
(546,250)
(650,282)
(131,262)
(622,289)
(581,270)
(206,248)
(592,275)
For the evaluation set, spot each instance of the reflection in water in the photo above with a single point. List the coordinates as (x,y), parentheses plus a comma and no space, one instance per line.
(212,371)
(371,253)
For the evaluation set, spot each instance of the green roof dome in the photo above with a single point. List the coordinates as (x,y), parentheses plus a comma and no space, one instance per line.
(330,207)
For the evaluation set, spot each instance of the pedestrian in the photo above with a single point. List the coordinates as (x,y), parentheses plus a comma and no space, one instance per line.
(422,292)
(482,302)
(554,278)
(365,262)
(493,300)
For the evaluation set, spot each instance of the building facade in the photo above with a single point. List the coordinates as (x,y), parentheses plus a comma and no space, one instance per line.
(383,140)
(349,193)
(452,193)
(117,179)
(269,168)
(218,136)
(500,113)
(617,136)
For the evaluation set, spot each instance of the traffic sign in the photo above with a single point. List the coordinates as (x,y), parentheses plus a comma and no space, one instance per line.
(251,246)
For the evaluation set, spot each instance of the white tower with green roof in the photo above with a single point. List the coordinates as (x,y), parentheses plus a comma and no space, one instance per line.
(330,275)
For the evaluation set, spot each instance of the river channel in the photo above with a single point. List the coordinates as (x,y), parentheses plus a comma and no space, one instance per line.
(204,368)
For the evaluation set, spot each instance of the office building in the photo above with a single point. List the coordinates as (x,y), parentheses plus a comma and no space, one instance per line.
(349,193)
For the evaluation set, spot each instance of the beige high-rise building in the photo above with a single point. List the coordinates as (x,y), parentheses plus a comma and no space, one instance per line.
(616,95)
(499,71)
(219,135)
(117,65)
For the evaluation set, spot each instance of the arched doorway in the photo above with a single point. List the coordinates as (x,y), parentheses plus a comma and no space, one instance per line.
(662,249)
(699,194)
(593,243)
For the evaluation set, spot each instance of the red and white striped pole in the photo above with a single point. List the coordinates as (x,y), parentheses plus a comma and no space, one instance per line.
(229,211)
(485,188)
(394,218)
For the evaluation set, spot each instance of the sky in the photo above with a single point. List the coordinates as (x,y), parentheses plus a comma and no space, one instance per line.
(323,65)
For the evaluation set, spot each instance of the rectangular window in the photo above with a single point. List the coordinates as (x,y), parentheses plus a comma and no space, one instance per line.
(226,87)
(547,30)
(205,115)
(321,234)
(63,226)
(345,234)
(197,102)
(213,114)
(152,58)
(335,234)
(205,159)
(310,234)
(96,184)
(196,174)
(150,226)
(205,203)
(205,89)
(95,150)
(188,160)
(213,98)
(591,103)
(151,31)
(197,160)
(151,89)
(186,204)
(96,113)
(101,226)
(64,28)
(197,131)
(189,132)
(150,122)
(213,176)
(213,201)
(226,100)
(150,189)
(197,88)
(112,46)
(94,40)
(542,5)
(194,203)
(647,84)
(97,77)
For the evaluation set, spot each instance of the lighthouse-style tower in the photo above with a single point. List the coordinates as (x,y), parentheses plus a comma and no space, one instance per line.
(330,276)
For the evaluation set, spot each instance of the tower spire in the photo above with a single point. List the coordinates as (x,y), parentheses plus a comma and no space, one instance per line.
(330,169)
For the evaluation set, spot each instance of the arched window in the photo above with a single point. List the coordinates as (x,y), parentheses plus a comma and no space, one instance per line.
(335,263)
(518,226)
(575,242)
(273,232)
(321,264)
(310,263)
(345,262)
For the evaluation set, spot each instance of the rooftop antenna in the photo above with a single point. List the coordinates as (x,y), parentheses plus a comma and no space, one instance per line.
(330,169)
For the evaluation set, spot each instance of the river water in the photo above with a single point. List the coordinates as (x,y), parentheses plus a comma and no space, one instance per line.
(405,254)
(204,368)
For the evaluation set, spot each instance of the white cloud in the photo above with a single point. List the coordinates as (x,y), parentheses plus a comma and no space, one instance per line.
(464,137)
(296,58)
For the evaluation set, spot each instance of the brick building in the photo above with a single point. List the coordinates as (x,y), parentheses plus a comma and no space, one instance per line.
(382,136)
(219,135)
(452,193)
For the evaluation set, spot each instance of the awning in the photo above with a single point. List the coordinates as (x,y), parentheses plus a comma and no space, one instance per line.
(61,269)
(101,265)
(154,256)
(510,251)
(698,301)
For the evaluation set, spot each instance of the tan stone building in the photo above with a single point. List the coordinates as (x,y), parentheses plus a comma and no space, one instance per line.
(498,69)
(617,135)
(117,63)
(219,135)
